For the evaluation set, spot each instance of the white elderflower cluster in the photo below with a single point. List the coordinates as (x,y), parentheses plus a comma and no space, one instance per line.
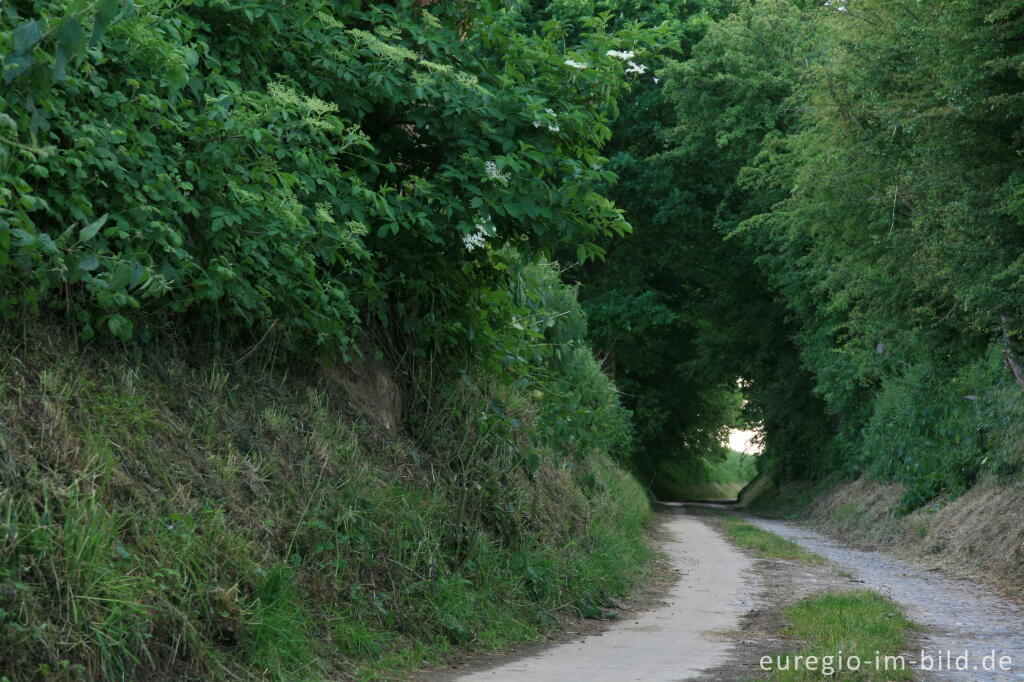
(552,125)
(624,56)
(575,64)
(477,240)
(474,241)
(636,68)
(491,168)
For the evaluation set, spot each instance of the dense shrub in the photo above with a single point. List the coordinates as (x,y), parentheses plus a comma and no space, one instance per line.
(304,166)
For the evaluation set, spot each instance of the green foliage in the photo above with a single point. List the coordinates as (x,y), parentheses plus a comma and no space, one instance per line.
(890,242)
(680,313)
(831,219)
(704,478)
(303,167)
(579,405)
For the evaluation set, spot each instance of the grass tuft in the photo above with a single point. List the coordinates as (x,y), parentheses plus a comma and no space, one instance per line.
(858,623)
(767,545)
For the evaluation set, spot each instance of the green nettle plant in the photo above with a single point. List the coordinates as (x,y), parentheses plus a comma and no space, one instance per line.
(306,167)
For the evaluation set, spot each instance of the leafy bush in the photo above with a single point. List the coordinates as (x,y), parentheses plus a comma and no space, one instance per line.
(303,167)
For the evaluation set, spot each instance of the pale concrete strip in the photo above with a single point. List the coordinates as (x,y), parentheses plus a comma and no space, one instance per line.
(670,643)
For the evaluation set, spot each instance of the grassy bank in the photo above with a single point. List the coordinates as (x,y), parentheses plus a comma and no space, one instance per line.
(175,514)
(977,535)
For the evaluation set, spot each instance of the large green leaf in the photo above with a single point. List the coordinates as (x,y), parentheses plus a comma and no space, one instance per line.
(26,36)
(93,228)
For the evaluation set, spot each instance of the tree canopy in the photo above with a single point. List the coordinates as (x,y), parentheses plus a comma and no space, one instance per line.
(796,214)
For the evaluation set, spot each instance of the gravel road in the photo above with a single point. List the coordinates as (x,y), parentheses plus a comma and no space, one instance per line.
(958,616)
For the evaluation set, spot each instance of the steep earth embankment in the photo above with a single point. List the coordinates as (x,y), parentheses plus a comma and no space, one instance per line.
(176,514)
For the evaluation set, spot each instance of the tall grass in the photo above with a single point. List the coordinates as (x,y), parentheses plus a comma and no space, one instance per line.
(167,516)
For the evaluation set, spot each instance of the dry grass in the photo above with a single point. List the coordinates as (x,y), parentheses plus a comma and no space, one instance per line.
(371,389)
(978,535)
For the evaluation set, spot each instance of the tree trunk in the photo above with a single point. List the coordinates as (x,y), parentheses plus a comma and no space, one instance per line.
(1012,360)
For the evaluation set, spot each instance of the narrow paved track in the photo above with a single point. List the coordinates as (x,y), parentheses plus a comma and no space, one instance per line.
(673,642)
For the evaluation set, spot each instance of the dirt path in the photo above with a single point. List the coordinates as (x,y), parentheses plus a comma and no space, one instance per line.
(672,642)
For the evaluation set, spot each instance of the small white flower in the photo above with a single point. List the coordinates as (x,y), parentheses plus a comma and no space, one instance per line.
(624,56)
(552,126)
(474,241)
(575,64)
(477,240)
(492,171)
(656,80)
(636,68)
